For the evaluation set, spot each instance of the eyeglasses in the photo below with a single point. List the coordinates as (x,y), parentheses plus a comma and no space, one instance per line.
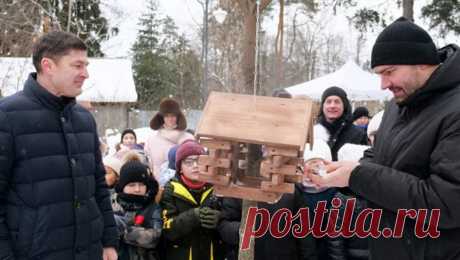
(190,162)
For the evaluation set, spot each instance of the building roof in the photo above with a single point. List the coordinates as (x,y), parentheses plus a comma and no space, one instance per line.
(110,80)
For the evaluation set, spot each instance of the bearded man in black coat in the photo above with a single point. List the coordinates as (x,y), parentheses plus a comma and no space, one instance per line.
(415,161)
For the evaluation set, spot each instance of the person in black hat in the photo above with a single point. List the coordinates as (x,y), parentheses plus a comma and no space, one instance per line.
(335,127)
(414,163)
(335,124)
(361,118)
(138,218)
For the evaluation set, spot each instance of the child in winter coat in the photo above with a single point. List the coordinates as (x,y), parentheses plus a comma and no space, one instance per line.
(190,212)
(139,219)
(112,165)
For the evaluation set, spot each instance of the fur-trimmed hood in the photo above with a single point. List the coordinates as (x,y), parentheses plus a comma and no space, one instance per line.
(168,106)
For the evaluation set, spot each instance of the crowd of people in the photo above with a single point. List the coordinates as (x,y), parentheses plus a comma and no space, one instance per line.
(60,198)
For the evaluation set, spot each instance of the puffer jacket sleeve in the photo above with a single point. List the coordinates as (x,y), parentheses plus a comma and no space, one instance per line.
(306,246)
(102,195)
(176,224)
(230,223)
(6,162)
(368,155)
(393,189)
(336,246)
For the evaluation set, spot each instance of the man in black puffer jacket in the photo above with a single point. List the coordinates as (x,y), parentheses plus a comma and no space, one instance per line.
(54,203)
(415,162)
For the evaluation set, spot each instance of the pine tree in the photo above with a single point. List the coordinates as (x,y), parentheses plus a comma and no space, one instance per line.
(153,70)
(24,20)
(86,21)
(443,15)
(163,63)
(189,71)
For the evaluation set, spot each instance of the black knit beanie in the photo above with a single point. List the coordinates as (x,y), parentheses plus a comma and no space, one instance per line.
(403,43)
(135,171)
(336,91)
(360,112)
(128,131)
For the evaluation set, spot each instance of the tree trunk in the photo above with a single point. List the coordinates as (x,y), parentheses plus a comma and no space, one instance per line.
(204,88)
(279,46)
(69,16)
(246,254)
(249,9)
(313,65)
(359,45)
(408,9)
(253,159)
(248,48)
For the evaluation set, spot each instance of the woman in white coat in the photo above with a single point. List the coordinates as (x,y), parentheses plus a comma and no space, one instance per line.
(170,125)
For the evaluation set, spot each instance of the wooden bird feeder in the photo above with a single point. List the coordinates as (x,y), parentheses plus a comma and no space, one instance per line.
(232,122)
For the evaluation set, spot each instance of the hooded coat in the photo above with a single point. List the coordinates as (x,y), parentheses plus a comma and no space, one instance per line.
(415,165)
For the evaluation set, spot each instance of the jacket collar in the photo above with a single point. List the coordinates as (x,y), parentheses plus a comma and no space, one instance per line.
(33,89)
(182,192)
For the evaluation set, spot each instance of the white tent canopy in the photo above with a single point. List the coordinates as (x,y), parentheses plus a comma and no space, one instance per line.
(360,85)
(110,80)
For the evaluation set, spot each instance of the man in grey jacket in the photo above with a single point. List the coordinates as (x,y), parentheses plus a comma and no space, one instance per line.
(414,166)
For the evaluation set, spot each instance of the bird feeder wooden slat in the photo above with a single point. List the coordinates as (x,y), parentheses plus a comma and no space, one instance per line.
(230,122)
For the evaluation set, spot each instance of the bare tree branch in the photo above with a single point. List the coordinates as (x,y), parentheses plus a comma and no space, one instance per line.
(53,17)
(264,4)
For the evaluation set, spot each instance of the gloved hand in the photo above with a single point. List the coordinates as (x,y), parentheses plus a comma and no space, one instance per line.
(196,212)
(209,218)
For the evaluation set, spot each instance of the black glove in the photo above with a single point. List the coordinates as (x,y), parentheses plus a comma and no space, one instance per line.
(209,218)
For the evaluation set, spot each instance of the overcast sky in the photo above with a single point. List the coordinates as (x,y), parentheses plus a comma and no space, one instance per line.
(187,15)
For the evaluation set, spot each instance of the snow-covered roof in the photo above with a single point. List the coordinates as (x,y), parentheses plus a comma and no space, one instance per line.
(359,84)
(110,80)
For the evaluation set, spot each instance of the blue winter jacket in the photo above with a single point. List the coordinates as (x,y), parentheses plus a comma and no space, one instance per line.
(54,203)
